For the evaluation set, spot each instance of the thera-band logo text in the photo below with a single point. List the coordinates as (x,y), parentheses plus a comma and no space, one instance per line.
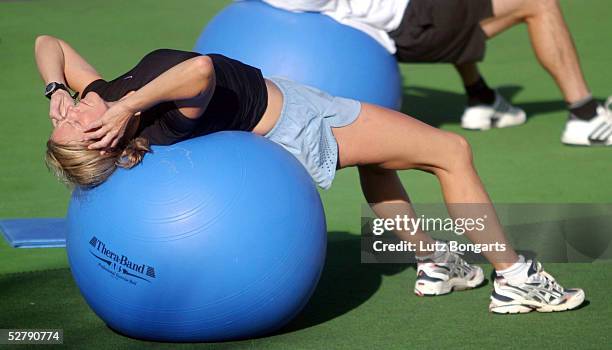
(118,264)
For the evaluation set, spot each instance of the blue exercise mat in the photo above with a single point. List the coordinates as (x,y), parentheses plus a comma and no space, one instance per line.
(35,233)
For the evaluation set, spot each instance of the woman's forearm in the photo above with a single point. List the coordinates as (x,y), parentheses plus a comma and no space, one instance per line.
(184,81)
(49,59)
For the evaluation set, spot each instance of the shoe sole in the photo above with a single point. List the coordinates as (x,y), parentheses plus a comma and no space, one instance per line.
(584,145)
(428,288)
(500,307)
(495,124)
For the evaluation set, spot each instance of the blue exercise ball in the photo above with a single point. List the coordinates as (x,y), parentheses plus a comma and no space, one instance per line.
(215,238)
(309,48)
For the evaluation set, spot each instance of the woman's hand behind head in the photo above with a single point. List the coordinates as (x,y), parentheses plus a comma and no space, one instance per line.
(70,128)
(58,107)
(110,129)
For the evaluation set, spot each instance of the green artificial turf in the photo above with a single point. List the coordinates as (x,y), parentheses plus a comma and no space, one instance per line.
(355,305)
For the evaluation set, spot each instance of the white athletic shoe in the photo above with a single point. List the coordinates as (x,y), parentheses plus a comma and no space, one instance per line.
(540,292)
(499,115)
(597,131)
(442,278)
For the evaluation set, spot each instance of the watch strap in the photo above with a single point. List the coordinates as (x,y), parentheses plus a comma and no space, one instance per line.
(53,87)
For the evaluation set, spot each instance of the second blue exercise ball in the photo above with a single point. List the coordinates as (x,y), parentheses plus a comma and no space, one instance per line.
(309,48)
(215,238)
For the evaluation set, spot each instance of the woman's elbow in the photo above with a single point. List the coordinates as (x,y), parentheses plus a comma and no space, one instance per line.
(203,67)
(43,38)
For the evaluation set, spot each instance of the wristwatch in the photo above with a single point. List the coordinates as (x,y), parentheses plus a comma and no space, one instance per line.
(53,87)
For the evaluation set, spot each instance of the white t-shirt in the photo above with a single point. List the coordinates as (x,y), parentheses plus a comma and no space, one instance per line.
(374,17)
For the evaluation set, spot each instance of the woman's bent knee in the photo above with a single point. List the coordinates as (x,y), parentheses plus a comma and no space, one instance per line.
(463,151)
(457,156)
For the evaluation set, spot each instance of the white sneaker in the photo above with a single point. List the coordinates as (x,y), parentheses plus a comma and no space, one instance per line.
(597,131)
(442,278)
(540,292)
(499,115)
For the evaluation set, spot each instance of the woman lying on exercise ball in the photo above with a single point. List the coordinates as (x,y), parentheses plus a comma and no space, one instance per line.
(170,96)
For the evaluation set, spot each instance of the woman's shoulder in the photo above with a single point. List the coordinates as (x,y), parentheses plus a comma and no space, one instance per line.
(222,63)
(170,54)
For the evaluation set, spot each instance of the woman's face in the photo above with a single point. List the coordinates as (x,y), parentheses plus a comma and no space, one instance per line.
(72,127)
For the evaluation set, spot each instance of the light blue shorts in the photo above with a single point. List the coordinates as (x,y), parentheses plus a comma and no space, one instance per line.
(304,127)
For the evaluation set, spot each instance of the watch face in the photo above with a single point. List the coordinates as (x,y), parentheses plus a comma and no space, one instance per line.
(50,88)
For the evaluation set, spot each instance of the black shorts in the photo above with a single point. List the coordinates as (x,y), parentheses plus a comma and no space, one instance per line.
(442,31)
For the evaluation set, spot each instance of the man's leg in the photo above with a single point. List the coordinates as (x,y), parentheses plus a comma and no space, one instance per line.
(469,73)
(485,107)
(477,90)
(589,122)
(550,37)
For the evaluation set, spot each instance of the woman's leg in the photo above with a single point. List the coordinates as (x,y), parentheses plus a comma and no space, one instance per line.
(393,141)
(385,193)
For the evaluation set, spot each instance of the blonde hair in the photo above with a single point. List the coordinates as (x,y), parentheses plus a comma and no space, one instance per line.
(76,165)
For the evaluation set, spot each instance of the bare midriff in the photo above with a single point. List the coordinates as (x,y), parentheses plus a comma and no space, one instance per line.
(273,111)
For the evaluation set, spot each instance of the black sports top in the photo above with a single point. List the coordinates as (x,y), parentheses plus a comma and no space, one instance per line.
(238,103)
